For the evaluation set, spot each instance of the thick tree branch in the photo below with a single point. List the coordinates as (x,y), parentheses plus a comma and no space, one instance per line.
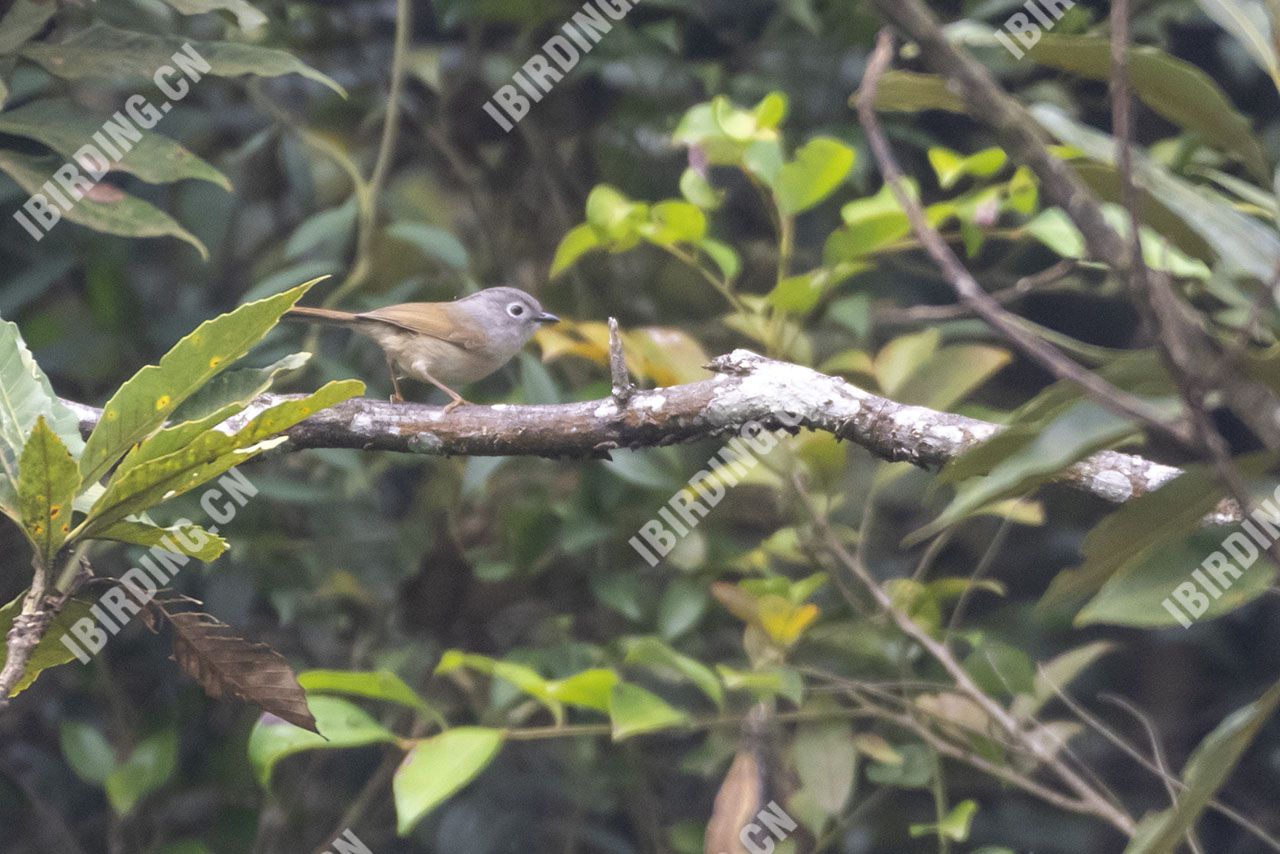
(747,387)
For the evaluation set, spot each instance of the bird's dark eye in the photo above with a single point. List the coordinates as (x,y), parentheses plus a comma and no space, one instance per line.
(515,309)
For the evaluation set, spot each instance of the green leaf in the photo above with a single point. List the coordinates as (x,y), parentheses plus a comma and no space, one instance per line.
(951,166)
(1174,88)
(634,710)
(436,768)
(695,187)
(912,92)
(1249,23)
(1054,229)
(116,213)
(148,768)
(820,166)
(915,769)
(589,689)
(724,257)
(1084,428)
(1241,243)
(801,293)
(1134,531)
(231,391)
(139,487)
(326,233)
(24,19)
(666,661)
(951,374)
(433,242)
(580,240)
(674,222)
(1057,674)
(341,724)
(48,480)
(103,52)
(372,684)
(51,651)
(247,17)
(183,538)
(65,127)
(681,607)
(87,751)
(153,394)
(1205,772)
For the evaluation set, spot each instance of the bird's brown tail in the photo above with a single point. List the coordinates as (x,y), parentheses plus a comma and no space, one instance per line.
(320,315)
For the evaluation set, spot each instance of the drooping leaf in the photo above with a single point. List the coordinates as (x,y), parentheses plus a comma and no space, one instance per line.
(225,664)
(1249,22)
(183,538)
(661,658)
(1205,772)
(113,213)
(65,127)
(48,479)
(51,651)
(247,16)
(436,768)
(147,399)
(338,724)
(104,52)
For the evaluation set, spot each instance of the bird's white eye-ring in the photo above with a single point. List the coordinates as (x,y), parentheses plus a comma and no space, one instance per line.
(515,309)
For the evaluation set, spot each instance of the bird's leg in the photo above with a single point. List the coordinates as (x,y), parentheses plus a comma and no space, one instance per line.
(458,399)
(395,383)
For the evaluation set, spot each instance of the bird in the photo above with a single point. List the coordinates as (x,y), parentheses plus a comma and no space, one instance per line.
(444,343)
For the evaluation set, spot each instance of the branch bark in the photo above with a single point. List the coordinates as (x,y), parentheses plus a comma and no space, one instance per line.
(746,387)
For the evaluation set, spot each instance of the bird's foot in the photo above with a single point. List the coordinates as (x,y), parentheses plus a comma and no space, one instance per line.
(455,403)
(397,398)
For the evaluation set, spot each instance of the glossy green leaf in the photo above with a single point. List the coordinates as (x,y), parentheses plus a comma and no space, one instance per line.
(1205,772)
(590,689)
(51,651)
(102,52)
(184,539)
(137,489)
(146,400)
(436,768)
(820,166)
(341,724)
(674,222)
(1174,88)
(950,166)
(1249,22)
(110,212)
(634,711)
(48,480)
(65,127)
(1242,244)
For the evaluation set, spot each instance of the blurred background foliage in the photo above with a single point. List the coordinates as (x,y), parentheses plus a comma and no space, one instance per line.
(435,569)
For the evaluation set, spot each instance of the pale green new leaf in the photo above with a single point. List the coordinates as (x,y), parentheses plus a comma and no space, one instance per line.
(65,126)
(819,167)
(109,210)
(48,479)
(104,52)
(147,399)
(436,768)
(340,724)
(633,711)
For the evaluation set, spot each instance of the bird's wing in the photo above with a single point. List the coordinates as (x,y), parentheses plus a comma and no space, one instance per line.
(437,324)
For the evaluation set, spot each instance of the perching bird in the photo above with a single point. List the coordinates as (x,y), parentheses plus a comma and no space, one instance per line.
(445,343)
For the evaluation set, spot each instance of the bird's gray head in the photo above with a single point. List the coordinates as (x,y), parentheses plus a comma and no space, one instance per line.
(509,313)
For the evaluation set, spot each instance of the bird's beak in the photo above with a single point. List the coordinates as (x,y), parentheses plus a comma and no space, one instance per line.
(547,317)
